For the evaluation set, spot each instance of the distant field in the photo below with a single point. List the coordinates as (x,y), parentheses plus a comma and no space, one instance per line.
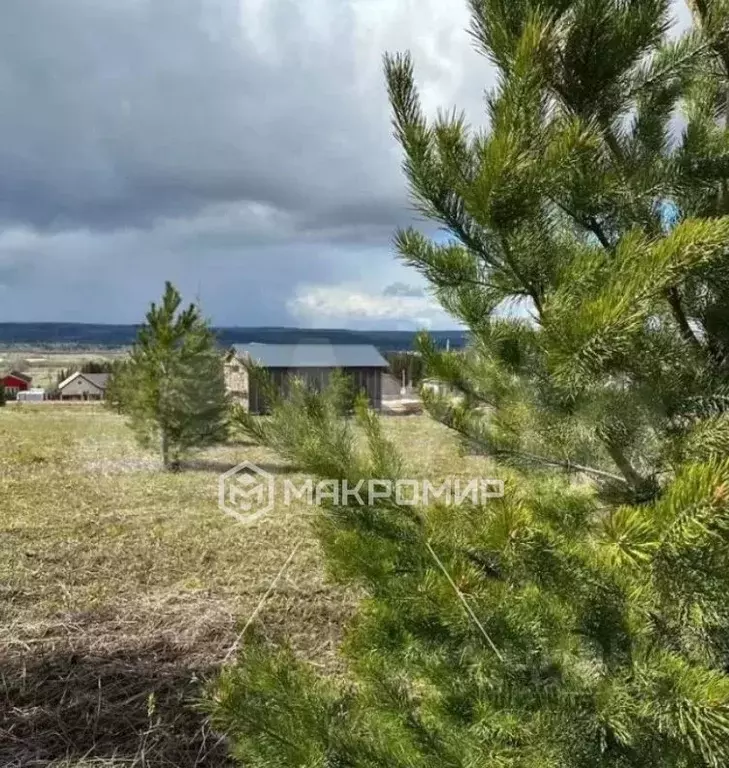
(122,587)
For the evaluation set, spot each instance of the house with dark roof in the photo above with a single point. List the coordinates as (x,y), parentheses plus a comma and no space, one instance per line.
(313,363)
(83,386)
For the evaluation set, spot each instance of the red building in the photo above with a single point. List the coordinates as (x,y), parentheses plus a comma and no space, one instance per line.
(15,382)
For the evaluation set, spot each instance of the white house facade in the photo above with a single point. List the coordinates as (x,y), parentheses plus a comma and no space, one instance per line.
(83,386)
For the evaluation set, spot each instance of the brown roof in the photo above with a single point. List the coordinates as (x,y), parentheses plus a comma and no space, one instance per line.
(18,375)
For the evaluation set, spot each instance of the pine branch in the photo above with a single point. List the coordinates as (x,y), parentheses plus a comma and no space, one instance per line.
(566,464)
(464,602)
(674,301)
(587,222)
(660,74)
(529,288)
(631,475)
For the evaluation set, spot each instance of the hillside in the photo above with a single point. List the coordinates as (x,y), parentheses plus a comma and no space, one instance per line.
(84,335)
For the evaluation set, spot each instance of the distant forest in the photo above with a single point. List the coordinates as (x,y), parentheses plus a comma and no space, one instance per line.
(90,335)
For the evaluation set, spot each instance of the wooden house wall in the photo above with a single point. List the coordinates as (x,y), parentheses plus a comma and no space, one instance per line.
(368,380)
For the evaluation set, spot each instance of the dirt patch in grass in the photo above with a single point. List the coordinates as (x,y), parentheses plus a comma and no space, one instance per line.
(129,705)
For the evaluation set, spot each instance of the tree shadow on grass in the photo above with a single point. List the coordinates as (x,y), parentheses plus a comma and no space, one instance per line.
(219,467)
(133,706)
(241,442)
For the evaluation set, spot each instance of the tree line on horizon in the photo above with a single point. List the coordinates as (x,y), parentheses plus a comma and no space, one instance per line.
(83,336)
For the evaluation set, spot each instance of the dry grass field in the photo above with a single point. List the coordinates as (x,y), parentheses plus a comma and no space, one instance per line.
(123,588)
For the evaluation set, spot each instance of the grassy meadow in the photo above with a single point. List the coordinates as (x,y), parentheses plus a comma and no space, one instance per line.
(122,588)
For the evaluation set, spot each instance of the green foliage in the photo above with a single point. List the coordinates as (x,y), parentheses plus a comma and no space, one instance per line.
(343,391)
(119,386)
(303,422)
(408,363)
(580,620)
(2,395)
(303,709)
(173,386)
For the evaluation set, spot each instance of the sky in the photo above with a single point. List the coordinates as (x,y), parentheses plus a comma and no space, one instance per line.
(240,148)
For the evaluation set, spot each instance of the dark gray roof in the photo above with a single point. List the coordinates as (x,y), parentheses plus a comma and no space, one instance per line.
(17,374)
(312,355)
(98,379)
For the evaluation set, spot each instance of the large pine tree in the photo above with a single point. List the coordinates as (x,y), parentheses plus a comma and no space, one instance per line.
(582,619)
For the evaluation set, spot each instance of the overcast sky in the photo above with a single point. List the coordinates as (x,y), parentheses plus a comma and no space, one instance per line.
(240,148)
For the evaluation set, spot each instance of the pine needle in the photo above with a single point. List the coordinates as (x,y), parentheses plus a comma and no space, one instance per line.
(233,648)
(464,602)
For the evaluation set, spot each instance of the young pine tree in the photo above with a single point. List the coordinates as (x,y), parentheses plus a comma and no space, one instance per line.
(173,387)
(581,620)
(118,386)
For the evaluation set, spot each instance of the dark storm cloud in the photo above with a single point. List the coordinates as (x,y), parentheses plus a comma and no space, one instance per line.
(116,113)
(241,148)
